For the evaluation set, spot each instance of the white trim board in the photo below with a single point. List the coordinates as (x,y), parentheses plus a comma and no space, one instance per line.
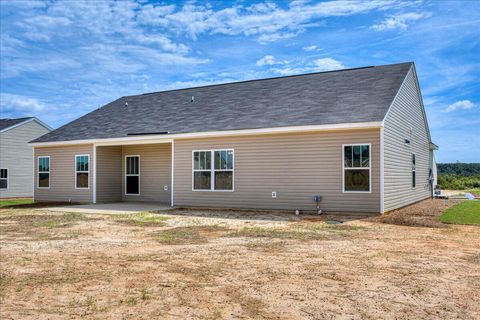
(369,168)
(134,175)
(168,138)
(88,171)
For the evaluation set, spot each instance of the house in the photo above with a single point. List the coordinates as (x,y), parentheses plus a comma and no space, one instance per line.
(16,170)
(359,138)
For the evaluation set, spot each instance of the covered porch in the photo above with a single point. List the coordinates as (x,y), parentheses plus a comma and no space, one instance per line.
(133,172)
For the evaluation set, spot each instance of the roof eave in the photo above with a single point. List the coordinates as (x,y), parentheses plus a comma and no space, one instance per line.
(243,132)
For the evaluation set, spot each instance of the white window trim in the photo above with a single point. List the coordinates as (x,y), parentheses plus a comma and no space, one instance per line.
(88,171)
(49,170)
(212,170)
(131,175)
(357,168)
(7,178)
(413,169)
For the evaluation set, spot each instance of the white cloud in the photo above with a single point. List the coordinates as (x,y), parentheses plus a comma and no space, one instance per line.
(18,104)
(460,105)
(327,64)
(266,22)
(318,65)
(399,21)
(266,60)
(311,48)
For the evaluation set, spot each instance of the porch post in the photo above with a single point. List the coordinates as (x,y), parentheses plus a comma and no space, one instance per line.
(94,173)
(173,173)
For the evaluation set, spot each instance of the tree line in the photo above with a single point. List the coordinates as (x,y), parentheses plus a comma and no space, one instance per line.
(459,176)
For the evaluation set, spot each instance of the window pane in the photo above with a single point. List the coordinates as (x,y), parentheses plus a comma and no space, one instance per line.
(202,180)
(208,160)
(347,156)
(357,180)
(223,160)
(82,180)
(43,164)
(365,156)
(196,160)
(413,162)
(3,173)
(44,180)
(3,183)
(133,164)
(413,179)
(224,180)
(202,160)
(133,185)
(356,156)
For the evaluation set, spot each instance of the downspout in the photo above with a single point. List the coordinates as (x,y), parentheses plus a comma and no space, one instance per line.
(33,174)
(173,173)
(94,173)
(382,169)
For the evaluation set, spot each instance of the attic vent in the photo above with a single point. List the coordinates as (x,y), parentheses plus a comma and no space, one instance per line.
(126,104)
(193,99)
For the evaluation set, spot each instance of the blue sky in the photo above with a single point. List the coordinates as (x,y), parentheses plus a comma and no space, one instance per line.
(62,59)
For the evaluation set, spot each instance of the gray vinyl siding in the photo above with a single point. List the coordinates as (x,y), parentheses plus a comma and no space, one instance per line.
(155,172)
(62,174)
(17,155)
(109,174)
(296,166)
(406,120)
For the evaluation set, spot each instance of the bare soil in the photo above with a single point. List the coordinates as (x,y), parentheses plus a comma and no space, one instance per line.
(202,264)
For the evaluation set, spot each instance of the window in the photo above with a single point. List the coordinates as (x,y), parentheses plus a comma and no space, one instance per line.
(213,170)
(4,179)
(81,171)
(356,168)
(43,172)
(413,170)
(132,175)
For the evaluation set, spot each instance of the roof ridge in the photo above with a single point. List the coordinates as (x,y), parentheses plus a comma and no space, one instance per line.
(270,78)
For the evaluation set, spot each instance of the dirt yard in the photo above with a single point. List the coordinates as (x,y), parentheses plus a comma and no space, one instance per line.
(187,264)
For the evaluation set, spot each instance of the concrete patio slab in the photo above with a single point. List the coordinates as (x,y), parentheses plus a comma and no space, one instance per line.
(110,208)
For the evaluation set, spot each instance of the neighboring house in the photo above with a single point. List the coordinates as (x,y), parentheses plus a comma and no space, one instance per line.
(16,155)
(359,138)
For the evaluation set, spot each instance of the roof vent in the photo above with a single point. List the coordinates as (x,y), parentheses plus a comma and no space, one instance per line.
(193,99)
(126,104)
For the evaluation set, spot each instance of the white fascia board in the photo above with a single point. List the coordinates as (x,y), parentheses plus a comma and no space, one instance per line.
(243,132)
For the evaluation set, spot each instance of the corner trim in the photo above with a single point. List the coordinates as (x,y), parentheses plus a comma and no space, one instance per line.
(382,170)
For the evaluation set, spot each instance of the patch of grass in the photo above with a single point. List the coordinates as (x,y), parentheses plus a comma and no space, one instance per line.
(142,219)
(297,232)
(475,191)
(188,235)
(466,212)
(41,227)
(15,202)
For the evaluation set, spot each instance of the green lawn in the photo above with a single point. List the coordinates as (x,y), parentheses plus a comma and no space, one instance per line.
(476,191)
(14,202)
(466,212)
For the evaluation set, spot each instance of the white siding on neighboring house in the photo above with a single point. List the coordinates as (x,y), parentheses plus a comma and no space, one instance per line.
(406,121)
(17,155)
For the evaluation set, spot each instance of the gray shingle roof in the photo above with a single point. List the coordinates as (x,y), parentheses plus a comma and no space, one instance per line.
(7,123)
(343,96)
